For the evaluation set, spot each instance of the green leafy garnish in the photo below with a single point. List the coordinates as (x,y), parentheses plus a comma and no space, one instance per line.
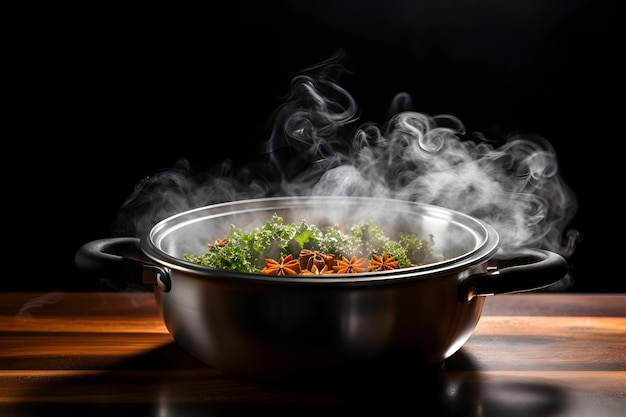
(275,239)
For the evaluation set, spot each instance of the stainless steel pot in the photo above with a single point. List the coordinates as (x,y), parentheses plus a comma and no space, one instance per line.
(276,327)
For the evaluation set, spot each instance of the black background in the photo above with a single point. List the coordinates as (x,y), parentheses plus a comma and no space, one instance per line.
(108,96)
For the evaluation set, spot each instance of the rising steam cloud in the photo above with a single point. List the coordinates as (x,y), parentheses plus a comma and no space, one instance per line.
(318,147)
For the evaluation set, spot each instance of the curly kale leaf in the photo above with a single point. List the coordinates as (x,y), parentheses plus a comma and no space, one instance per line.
(247,252)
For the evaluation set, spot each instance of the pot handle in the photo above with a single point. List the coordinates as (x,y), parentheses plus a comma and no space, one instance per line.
(529,269)
(113,259)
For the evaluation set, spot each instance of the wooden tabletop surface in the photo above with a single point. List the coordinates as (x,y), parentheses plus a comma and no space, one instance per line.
(92,354)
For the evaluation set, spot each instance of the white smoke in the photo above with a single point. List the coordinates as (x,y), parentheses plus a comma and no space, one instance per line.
(515,186)
(317,147)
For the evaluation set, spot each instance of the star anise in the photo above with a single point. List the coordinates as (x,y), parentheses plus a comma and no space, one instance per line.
(286,266)
(352,266)
(383,263)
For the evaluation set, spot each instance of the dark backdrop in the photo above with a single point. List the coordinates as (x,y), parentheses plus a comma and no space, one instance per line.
(106,97)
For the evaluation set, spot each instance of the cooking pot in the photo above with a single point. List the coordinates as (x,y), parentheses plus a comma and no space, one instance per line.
(271,327)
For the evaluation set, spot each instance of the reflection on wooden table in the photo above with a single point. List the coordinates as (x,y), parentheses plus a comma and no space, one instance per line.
(532,354)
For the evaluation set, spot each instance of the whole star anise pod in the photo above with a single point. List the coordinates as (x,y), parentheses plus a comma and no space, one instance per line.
(286,266)
(352,266)
(383,263)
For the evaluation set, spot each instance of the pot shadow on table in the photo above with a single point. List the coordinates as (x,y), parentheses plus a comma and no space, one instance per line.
(168,382)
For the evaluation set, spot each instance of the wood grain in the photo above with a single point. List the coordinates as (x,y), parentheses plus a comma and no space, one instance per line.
(110,354)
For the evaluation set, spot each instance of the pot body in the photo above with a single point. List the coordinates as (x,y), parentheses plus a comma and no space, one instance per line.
(271,327)
(275,327)
(268,331)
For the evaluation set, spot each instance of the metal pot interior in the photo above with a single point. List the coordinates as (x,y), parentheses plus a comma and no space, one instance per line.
(459,238)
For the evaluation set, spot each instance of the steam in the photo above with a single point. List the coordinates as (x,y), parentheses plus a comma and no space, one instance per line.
(39,302)
(514,187)
(318,147)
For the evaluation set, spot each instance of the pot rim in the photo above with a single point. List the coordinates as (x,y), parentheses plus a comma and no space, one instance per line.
(150,242)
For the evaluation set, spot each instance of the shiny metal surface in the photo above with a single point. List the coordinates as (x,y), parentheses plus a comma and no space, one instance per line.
(280,327)
(264,327)
(267,331)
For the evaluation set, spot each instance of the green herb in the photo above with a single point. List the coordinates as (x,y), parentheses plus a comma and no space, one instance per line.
(247,252)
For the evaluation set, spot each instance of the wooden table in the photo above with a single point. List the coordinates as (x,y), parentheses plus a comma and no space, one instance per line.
(92,354)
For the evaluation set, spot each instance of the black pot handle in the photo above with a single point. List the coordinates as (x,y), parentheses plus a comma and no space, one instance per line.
(529,269)
(118,261)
